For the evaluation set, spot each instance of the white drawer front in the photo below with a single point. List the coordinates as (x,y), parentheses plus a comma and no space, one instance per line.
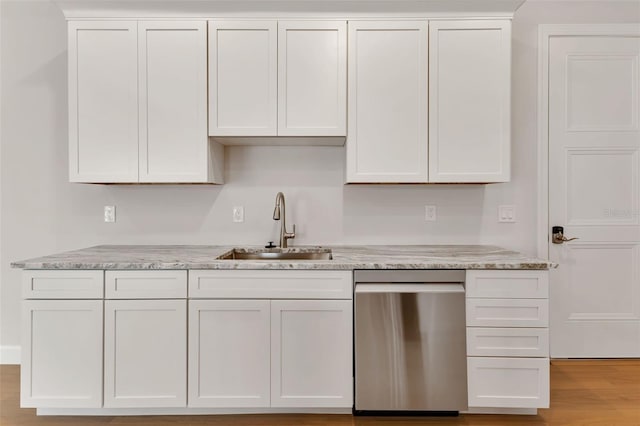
(531,342)
(269,284)
(507,312)
(62,284)
(508,284)
(508,382)
(146,284)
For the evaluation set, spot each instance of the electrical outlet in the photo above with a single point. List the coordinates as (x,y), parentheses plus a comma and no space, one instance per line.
(238,214)
(110,214)
(507,214)
(430,213)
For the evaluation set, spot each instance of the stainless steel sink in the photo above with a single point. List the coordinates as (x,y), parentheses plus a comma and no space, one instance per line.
(278,254)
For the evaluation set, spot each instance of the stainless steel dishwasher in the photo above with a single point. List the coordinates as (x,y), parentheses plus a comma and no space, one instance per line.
(410,341)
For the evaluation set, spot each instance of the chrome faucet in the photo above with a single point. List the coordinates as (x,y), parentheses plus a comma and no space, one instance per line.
(281,210)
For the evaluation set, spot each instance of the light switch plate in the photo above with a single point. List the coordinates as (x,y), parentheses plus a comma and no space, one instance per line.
(430,213)
(507,213)
(110,214)
(238,214)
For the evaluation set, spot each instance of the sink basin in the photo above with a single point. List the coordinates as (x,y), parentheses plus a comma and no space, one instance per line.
(278,254)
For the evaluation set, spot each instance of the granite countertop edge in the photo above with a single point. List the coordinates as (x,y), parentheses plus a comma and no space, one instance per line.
(159,257)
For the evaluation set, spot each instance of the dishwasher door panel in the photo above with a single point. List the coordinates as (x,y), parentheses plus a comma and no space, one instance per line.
(410,351)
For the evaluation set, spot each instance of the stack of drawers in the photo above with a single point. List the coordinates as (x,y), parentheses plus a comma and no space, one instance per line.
(508,338)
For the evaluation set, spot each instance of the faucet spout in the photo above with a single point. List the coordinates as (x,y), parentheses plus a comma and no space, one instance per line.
(280,213)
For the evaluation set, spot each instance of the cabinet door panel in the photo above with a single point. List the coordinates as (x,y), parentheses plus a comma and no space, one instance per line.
(312,78)
(508,382)
(229,353)
(311,353)
(469,101)
(62,284)
(507,312)
(515,341)
(387,126)
(145,360)
(248,284)
(103,102)
(173,101)
(508,284)
(61,354)
(243,66)
(147,284)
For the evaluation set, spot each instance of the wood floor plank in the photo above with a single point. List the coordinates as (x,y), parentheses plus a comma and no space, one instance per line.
(583,392)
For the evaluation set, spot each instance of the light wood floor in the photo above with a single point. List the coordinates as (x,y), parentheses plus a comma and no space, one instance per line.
(603,392)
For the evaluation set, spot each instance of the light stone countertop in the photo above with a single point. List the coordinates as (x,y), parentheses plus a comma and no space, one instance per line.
(344,258)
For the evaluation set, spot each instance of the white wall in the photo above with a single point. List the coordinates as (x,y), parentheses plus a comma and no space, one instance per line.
(41,213)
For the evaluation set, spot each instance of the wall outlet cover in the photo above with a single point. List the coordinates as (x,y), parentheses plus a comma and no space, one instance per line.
(238,214)
(109,214)
(430,213)
(507,213)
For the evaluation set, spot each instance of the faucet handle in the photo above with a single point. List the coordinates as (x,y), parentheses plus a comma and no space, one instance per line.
(291,234)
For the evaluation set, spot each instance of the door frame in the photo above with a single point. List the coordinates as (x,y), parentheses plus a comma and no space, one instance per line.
(545,33)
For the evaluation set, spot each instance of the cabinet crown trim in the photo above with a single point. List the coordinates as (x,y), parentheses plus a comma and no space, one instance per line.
(76,9)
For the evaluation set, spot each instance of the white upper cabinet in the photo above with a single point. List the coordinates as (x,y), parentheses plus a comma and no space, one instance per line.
(103,101)
(387,130)
(173,101)
(138,103)
(243,81)
(312,78)
(469,101)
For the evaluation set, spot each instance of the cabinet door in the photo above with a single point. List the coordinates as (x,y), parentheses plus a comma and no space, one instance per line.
(229,353)
(145,359)
(312,78)
(387,126)
(103,101)
(311,353)
(469,101)
(243,66)
(61,354)
(508,382)
(173,101)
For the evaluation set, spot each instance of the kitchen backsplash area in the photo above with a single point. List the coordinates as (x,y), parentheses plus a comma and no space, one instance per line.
(324,210)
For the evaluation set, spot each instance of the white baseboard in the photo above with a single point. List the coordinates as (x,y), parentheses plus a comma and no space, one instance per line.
(483,410)
(10,355)
(182,411)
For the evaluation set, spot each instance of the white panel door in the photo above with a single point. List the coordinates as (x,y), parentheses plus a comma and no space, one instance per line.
(61,354)
(145,358)
(243,80)
(173,101)
(387,125)
(469,101)
(594,192)
(311,353)
(229,353)
(103,101)
(312,78)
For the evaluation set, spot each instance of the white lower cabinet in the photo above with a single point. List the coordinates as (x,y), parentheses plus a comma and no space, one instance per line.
(508,382)
(311,353)
(270,353)
(132,351)
(229,353)
(507,339)
(61,354)
(145,359)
